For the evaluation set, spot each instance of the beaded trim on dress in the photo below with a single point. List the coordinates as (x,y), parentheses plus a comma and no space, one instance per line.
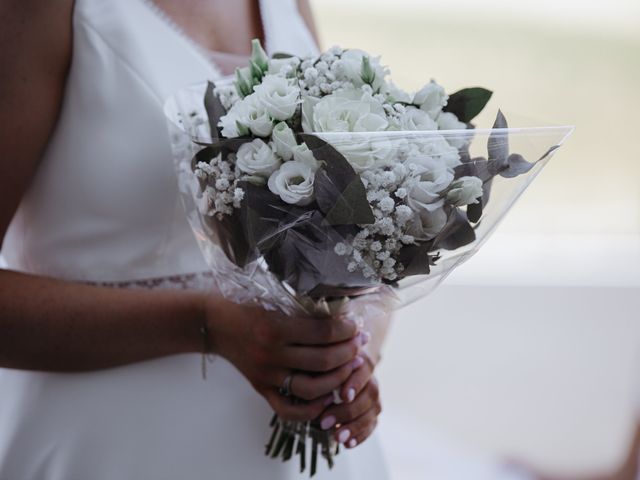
(191,281)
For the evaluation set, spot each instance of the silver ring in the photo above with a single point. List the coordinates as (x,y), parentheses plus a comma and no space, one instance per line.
(285,389)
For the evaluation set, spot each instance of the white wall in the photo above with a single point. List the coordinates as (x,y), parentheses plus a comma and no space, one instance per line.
(521,360)
(532,348)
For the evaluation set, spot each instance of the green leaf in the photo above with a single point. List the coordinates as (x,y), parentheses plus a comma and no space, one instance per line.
(261,214)
(479,167)
(230,236)
(244,81)
(259,58)
(215,110)
(474,211)
(456,233)
(281,55)
(340,194)
(367,73)
(417,259)
(467,103)
(516,165)
(256,71)
(498,143)
(549,152)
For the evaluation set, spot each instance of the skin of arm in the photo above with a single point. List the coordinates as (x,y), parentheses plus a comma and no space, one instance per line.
(85,327)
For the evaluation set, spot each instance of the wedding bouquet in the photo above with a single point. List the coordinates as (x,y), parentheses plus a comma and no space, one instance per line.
(310,182)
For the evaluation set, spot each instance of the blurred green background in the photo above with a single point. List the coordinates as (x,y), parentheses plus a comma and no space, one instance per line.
(541,358)
(562,62)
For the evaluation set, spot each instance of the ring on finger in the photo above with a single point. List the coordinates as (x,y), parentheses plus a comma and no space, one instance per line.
(285,389)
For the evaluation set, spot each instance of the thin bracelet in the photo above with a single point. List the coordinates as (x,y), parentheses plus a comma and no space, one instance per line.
(206,349)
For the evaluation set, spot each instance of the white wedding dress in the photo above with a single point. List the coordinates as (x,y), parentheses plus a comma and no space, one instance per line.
(104,208)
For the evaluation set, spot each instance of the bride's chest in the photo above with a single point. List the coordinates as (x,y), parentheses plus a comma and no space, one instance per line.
(216,25)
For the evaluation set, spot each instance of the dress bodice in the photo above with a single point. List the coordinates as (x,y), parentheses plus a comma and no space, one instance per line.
(104,207)
(104,204)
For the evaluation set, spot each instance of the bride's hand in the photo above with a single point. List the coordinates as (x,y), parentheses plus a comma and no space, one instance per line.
(268,346)
(355,419)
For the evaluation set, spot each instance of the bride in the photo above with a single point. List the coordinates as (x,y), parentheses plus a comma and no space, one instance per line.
(105,305)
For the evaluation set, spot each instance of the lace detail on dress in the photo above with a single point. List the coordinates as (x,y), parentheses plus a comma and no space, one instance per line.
(190,281)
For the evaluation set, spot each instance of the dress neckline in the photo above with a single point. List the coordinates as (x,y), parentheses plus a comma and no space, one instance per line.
(201,50)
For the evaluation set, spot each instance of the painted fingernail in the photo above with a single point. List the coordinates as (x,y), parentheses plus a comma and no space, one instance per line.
(344,435)
(352,443)
(357,362)
(364,338)
(328,422)
(329,400)
(351,395)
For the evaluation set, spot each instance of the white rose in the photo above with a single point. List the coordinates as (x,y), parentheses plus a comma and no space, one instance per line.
(431,177)
(348,110)
(293,183)
(464,191)
(349,67)
(278,96)
(247,115)
(284,140)
(448,121)
(257,118)
(257,159)
(428,224)
(365,154)
(431,98)
(437,147)
(416,119)
(308,105)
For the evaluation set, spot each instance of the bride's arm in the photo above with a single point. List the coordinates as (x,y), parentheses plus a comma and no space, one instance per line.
(48,324)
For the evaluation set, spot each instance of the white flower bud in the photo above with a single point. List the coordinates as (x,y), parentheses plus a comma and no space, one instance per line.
(284,140)
(259,57)
(244,81)
(464,191)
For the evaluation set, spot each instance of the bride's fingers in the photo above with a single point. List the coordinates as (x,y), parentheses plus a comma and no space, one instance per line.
(310,387)
(354,433)
(358,380)
(317,331)
(345,413)
(290,411)
(319,359)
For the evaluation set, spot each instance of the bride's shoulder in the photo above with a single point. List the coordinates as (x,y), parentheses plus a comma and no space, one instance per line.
(34,31)
(35,53)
